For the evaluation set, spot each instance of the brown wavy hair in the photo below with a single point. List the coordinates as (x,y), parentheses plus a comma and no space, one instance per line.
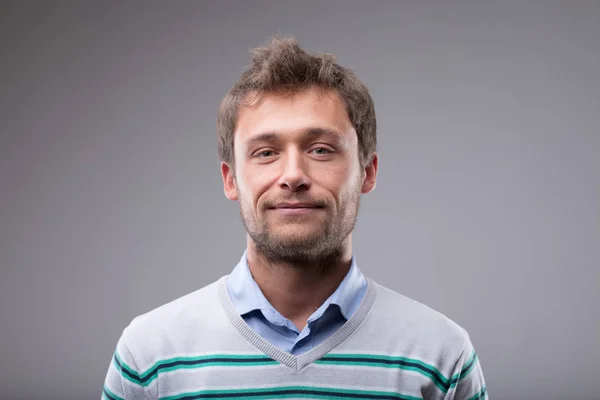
(282,66)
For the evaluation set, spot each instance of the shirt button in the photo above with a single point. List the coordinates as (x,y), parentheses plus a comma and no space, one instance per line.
(300,344)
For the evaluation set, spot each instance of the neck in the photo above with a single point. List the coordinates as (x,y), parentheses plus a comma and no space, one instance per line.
(296,290)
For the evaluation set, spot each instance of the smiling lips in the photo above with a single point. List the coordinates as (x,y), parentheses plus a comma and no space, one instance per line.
(295,208)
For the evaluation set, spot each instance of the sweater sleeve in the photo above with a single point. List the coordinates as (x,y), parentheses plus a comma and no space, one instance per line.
(467,377)
(123,380)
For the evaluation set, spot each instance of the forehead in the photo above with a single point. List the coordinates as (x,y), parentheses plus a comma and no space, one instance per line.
(292,114)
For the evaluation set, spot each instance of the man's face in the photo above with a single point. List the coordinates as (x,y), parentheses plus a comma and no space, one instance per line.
(297,174)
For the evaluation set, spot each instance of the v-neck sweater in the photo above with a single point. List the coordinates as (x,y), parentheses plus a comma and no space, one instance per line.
(198,346)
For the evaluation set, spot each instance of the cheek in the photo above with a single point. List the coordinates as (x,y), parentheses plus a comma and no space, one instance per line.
(342,182)
(252,185)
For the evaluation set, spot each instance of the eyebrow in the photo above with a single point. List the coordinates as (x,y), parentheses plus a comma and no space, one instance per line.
(310,132)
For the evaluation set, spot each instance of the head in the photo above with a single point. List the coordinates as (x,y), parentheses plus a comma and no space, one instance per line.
(297,143)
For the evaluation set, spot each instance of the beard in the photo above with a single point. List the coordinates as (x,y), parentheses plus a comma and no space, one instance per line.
(314,240)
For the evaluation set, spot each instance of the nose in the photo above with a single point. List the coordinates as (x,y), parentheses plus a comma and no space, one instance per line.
(294,177)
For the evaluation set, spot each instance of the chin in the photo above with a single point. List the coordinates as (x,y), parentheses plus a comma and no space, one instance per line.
(293,233)
(294,239)
(298,237)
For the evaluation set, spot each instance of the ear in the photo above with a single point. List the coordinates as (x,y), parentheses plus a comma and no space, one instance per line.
(370,172)
(229,184)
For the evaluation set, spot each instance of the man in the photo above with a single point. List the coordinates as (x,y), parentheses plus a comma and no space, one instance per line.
(296,318)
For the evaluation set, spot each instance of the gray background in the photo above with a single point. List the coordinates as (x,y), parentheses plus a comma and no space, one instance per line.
(487,206)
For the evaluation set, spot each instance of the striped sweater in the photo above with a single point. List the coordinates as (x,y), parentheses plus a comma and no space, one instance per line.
(198,347)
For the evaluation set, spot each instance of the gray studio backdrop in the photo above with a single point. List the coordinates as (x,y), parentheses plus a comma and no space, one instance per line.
(487,206)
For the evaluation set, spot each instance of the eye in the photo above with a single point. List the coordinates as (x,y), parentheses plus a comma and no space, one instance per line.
(321,151)
(264,154)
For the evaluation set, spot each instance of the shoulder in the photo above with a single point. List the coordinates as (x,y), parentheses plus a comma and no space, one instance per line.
(188,312)
(174,329)
(414,320)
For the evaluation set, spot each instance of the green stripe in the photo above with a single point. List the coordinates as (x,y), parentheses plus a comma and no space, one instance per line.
(114,396)
(463,374)
(432,372)
(403,367)
(151,373)
(385,358)
(480,395)
(275,392)
(211,364)
(232,357)
(147,377)
(125,366)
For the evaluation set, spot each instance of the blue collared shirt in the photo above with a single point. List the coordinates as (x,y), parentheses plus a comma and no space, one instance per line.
(260,315)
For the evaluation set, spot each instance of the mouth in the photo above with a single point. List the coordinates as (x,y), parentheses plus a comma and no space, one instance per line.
(296,208)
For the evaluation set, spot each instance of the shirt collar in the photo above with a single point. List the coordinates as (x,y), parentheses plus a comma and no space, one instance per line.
(247,296)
